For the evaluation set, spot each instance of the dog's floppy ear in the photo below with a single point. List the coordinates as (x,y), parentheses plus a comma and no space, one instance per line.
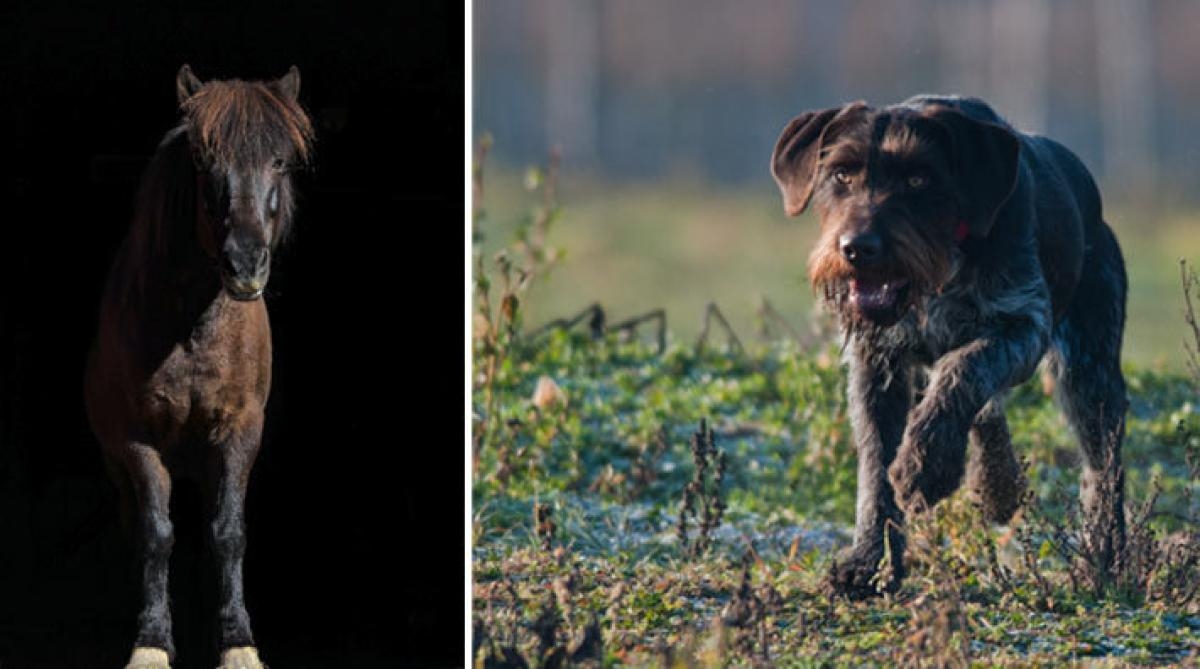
(986,159)
(798,150)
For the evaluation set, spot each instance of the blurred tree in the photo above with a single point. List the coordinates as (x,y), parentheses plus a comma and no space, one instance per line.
(1124,58)
(1019,67)
(572,77)
(637,89)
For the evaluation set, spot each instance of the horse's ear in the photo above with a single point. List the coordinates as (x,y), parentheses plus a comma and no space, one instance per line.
(186,84)
(289,84)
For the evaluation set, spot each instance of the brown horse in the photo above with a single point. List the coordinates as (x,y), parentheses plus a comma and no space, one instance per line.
(178,377)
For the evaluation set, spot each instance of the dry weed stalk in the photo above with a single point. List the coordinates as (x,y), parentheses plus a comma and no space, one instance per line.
(938,633)
(748,615)
(1191,282)
(495,332)
(702,499)
(544,526)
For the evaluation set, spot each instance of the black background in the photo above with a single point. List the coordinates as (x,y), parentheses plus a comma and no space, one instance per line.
(355,511)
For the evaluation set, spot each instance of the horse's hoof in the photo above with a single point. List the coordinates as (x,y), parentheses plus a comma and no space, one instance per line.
(243,657)
(149,658)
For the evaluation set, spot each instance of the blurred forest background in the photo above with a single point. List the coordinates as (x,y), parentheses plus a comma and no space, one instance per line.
(666,112)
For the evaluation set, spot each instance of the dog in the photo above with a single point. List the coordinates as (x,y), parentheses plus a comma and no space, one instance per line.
(957,252)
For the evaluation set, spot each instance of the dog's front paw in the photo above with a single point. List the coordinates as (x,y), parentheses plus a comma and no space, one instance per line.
(909,484)
(929,465)
(858,575)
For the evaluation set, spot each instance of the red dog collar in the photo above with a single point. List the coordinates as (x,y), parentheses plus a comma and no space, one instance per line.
(961,231)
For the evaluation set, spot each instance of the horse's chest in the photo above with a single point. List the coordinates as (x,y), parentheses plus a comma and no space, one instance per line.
(207,381)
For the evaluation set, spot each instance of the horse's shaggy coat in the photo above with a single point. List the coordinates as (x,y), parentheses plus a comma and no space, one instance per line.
(178,377)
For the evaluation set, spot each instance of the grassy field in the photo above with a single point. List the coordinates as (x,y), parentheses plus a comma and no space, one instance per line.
(586,455)
(680,244)
(610,463)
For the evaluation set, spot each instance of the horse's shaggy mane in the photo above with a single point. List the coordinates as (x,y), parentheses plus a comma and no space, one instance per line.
(165,208)
(246,122)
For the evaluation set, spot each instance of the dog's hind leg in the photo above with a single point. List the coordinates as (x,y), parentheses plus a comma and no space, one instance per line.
(994,475)
(1086,363)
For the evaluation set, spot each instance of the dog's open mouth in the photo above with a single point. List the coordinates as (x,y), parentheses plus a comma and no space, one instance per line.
(879,300)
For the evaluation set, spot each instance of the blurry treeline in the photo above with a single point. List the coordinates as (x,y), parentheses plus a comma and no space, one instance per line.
(635,88)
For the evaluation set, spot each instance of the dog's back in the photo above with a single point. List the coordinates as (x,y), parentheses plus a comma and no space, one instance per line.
(1055,196)
(968,106)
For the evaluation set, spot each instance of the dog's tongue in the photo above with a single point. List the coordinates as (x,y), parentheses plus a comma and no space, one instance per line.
(874,295)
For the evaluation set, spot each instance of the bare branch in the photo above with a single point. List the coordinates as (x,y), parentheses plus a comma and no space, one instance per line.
(768,315)
(713,312)
(630,324)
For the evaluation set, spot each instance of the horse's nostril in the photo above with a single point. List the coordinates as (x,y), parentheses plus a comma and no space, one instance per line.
(861,248)
(227,266)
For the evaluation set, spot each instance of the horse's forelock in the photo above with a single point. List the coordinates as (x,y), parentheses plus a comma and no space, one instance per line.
(238,122)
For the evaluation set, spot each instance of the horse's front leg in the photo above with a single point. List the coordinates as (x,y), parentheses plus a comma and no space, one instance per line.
(230,474)
(151,483)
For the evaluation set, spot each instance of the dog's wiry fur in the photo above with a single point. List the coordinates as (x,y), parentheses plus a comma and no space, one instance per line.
(957,253)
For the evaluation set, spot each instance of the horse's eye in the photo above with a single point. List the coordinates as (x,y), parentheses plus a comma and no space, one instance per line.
(273,201)
(918,181)
(842,176)
(277,164)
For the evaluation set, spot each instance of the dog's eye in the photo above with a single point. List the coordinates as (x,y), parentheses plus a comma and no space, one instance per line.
(918,181)
(842,176)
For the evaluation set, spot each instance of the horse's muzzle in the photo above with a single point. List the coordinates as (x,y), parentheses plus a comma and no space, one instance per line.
(244,290)
(245,275)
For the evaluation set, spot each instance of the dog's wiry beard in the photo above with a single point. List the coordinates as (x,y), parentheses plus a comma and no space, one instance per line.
(923,255)
(828,272)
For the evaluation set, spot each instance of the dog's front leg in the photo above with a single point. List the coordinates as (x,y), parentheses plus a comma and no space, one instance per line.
(929,465)
(880,389)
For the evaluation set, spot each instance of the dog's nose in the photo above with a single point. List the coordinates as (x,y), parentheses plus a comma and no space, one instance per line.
(861,249)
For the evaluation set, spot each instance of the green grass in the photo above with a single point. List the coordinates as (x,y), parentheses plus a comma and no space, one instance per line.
(614,487)
(606,581)
(679,244)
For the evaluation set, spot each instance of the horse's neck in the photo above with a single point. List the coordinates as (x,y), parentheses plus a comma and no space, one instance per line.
(183,288)
(165,296)
(168,277)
